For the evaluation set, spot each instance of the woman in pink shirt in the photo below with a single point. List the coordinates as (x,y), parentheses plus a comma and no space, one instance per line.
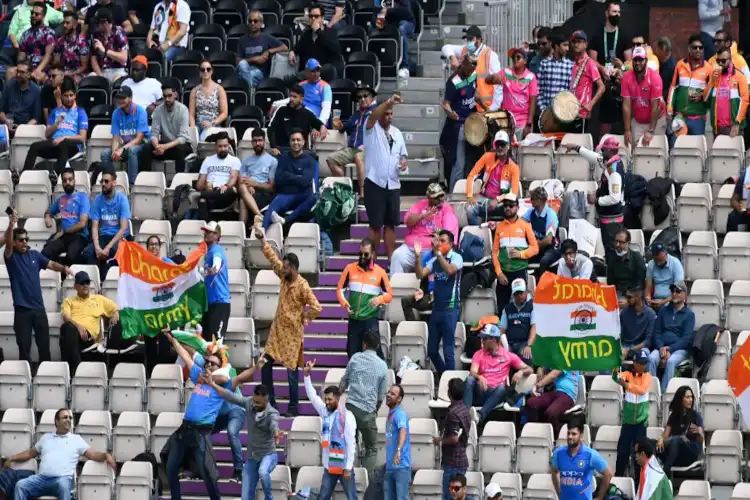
(585,75)
(519,92)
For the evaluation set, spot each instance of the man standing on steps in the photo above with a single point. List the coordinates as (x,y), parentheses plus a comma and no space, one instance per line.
(385,161)
(216,320)
(285,341)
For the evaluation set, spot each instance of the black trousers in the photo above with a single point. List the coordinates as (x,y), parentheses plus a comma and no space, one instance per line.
(177,153)
(24,322)
(411,305)
(503,293)
(158,350)
(609,232)
(214,200)
(47,150)
(545,258)
(71,343)
(629,435)
(72,244)
(216,320)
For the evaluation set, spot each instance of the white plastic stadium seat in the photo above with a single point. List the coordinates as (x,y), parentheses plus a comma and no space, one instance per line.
(738,306)
(725,158)
(692,489)
(718,406)
(706,299)
(741,491)
(95,427)
(136,481)
(722,208)
(424,452)
(443,401)
(308,477)
(233,240)
(89,388)
(240,338)
(188,236)
(166,423)
(419,386)
(265,295)
(97,480)
(33,193)
(734,257)
(37,231)
(16,431)
(534,448)
(160,228)
(131,435)
(540,487)
(536,162)
(637,240)
(647,216)
(687,159)
(15,385)
(99,139)
(303,239)
(164,389)
(51,386)
(719,367)
(403,285)
(239,291)
(700,256)
(694,207)
(651,161)
(497,447)
(303,445)
(510,484)
(25,136)
(486,235)
(427,484)
(604,402)
(147,195)
(410,340)
(570,165)
(476,305)
(254,252)
(281,483)
(127,387)
(606,443)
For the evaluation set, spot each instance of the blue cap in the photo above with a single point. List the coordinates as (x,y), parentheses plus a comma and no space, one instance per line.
(312,63)
(82,278)
(490,332)
(579,34)
(657,247)
(640,357)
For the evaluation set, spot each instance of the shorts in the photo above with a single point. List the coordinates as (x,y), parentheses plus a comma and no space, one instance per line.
(344,156)
(383,206)
(262,198)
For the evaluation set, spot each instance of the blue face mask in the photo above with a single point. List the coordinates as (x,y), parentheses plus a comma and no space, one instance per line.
(471,46)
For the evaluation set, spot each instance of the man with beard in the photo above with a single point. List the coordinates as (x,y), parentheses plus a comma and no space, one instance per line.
(584,78)
(72,51)
(339,439)
(216,270)
(573,467)
(544,222)
(256,50)
(37,44)
(458,104)
(110,216)
(217,179)
(294,116)
(147,92)
(284,345)
(609,196)
(21,100)
(170,132)
(397,447)
(257,178)
(66,132)
(691,76)
(642,102)
(512,247)
(727,96)
(295,181)
(130,131)
(73,207)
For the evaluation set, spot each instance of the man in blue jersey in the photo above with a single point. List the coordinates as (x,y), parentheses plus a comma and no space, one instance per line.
(573,467)
(217,283)
(73,207)
(194,434)
(318,96)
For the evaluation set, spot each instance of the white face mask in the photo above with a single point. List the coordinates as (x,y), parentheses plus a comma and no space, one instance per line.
(621,253)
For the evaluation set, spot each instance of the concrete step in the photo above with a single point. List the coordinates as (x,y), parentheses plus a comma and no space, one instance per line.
(427,168)
(416,111)
(433,70)
(423,84)
(431,57)
(448,31)
(426,124)
(419,96)
(421,138)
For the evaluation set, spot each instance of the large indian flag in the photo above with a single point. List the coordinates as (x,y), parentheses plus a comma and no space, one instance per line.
(654,484)
(152,295)
(577,325)
(739,380)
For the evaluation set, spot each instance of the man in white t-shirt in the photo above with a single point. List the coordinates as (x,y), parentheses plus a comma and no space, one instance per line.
(147,92)
(217,180)
(170,23)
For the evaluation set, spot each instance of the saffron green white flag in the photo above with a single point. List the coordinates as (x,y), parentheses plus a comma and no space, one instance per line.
(654,484)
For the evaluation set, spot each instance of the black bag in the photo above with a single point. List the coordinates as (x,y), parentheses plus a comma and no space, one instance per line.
(474,277)
(375,489)
(657,190)
(670,238)
(703,349)
(471,247)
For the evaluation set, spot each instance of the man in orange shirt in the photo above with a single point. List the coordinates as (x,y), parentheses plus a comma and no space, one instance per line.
(500,175)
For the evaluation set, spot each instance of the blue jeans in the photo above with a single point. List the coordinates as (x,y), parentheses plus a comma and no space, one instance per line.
(329,482)
(442,327)
(489,399)
(300,204)
(696,126)
(396,484)
(172,53)
(253,75)
(38,485)
(89,255)
(675,359)
(233,421)
(132,155)
(458,171)
(176,458)
(480,209)
(255,470)
(406,28)
(448,471)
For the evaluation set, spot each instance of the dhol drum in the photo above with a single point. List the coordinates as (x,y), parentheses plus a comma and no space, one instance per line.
(475,129)
(479,127)
(561,115)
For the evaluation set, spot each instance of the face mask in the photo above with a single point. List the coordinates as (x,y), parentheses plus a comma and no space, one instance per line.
(614,20)
(222,155)
(621,253)
(445,248)
(471,47)
(69,189)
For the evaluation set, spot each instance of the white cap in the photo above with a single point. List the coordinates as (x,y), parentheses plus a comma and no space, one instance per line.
(518,285)
(492,490)
(640,52)
(508,196)
(501,135)
(212,226)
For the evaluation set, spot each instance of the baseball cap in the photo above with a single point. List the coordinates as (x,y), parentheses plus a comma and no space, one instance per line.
(212,226)
(680,285)
(472,31)
(492,490)
(139,59)
(514,51)
(639,53)
(579,34)
(657,247)
(486,320)
(312,63)
(508,197)
(609,143)
(518,285)
(435,190)
(490,331)
(502,136)
(640,357)
(82,278)
(124,91)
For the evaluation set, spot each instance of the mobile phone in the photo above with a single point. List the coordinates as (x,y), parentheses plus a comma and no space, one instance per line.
(9,210)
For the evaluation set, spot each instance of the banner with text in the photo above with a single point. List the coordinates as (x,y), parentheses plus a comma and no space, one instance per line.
(577,325)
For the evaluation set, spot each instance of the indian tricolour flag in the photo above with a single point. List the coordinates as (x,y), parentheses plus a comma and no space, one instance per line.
(152,295)
(577,325)
(654,484)
(739,380)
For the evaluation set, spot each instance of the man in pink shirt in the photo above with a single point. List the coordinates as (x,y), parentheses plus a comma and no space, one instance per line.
(488,376)
(425,218)
(519,92)
(643,108)
(585,76)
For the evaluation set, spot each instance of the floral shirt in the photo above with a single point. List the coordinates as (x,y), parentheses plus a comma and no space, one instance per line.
(34,41)
(117,41)
(70,51)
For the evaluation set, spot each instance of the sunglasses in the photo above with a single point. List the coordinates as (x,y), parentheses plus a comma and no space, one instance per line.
(363,96)
(638,44)
(314,16)
(696,47)
(364,255)
(254,21)
(676,290)
(722,61)
(454,488)
(720,40)
(26,239)
(206,70)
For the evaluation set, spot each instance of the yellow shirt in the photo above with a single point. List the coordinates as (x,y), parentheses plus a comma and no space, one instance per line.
(86,312)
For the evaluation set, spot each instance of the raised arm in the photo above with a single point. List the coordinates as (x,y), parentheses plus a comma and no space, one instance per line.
(247,375)
(312,395)
(9,235)
(181,352)
(381,110)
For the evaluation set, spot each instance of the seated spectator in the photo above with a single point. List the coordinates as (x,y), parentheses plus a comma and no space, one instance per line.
(170,132)
(218,179)
(37,44)
(424,219)
(626,269)
(208,102)
(740,213)
(294,116)
(318,96)
(66,132)
(110,223)
(490,368)
(119,17)
(295,180)
(493,492)
(50,94)
(401,16)
(673,335)
(320,43)
(550,406)
(74,208)
(661,273)
(81,326)
(517,323)
(334,13)
(256,50)
(72,51)
(544,223)
(354,129)
(499,175)
(682,441)
(257,178)
(58,454)
(21,21)
(21,100)
(170,24)
(573,264)
(109,48)
(423,297)
(146,91)
(636,324)
(130,132)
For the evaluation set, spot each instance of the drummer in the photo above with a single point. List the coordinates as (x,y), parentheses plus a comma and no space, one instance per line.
(585,77)
(519,92)
(458,104)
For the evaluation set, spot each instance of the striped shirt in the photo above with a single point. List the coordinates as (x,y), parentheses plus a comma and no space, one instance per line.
(554,77)
(366,378)
(329,7)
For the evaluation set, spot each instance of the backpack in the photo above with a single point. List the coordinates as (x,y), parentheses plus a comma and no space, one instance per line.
(657,190)
(335,205)
(670,238)
(703,349)
(471,247)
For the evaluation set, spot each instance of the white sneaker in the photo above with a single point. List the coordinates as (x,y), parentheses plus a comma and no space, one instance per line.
(474,414)
(403,73)
(277,218)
